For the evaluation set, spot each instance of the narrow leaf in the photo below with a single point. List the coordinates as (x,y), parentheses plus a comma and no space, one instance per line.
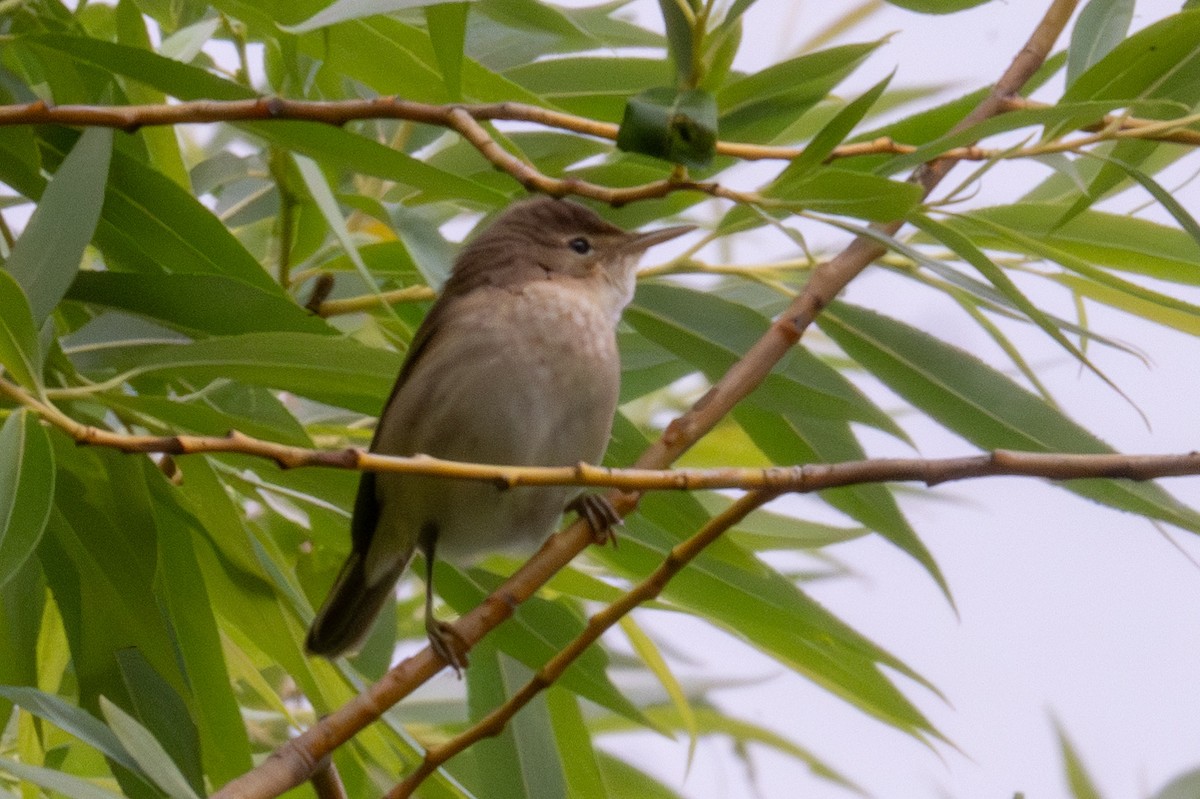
(937,6)
(20,354)
(1100,27)
(984,406)
(56,781)
(47,256)
(645,648)
(344,10)
(1164,197)
(834,133)
(967,250)
(163,712)
(228,306)
(26,489)
(322,194)
(1081,784)
(71,719)
(148,752)
(337,371)
(447,24)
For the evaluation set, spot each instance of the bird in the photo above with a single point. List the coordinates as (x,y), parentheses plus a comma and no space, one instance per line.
(516,363)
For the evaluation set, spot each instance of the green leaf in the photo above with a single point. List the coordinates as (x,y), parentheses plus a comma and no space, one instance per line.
(162,144)
(337,371)
(739,593)
(710,333)
(796,439)
(498,756)
(59,782)
(650,655)
(322,195)
(196,304)
(984,406)
(148,752)
(343,10)
(680,127)
(764,530)
(164,714)
(590,86)
(20,353)
(1038,247)
(849,193)
(575,746)
(759,106)
(71,719)
(214,733)
(47,256)
(252,410)
(1186,785)
(623,779)
(937,6)
(1153,307)
(149,224)
(681,39)
(1114,240)
(967,250)
(26,489)
(22,615)
(523,761)
(1157,61)
(1101,26)
(1164,198)
(742,733)
(1080,782)
(768,612)
(447,23)
(833,134)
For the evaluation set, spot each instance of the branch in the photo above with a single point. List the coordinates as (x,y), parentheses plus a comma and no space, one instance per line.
(1167,130)
(131,118)
(327,783)
(807,477)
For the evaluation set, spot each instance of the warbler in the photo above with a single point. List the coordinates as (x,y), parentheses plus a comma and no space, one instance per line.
(516,363)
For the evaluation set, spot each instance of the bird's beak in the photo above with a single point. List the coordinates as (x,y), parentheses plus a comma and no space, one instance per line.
(640,242)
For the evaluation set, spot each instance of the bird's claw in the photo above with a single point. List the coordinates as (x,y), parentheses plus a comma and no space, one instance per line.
(600,516)
(449,645)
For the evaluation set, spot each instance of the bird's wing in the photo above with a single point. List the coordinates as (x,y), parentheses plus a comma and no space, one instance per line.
(366,502)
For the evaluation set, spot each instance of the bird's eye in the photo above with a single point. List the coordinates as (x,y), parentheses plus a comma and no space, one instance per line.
(580,245)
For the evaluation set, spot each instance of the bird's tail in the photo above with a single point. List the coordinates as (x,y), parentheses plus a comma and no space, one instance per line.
(349,611)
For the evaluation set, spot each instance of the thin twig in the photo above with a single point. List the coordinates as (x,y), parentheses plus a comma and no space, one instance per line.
(327,783)
(807,477)
(340,112)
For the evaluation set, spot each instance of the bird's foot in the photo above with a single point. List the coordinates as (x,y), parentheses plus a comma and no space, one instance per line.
(448,644)
(600,516)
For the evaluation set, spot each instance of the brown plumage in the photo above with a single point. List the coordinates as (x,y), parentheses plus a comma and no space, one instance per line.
(516,363)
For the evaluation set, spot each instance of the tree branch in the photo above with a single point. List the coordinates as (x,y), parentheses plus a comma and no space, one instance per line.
(463,118)
(807,477)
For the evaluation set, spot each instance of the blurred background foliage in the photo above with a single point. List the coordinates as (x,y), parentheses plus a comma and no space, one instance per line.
(155,280)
